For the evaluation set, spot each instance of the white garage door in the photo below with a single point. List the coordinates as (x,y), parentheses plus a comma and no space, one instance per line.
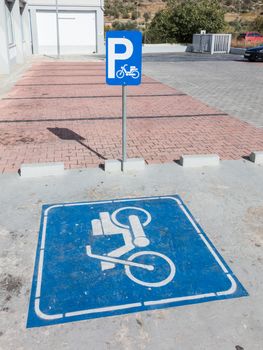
(77,32)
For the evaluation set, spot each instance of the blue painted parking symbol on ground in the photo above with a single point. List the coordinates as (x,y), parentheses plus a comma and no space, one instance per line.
(107,258)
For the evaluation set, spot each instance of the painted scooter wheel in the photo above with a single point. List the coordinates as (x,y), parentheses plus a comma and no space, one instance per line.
(162,283)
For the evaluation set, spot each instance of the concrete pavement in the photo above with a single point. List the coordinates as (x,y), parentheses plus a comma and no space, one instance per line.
(226,201)
(226,82)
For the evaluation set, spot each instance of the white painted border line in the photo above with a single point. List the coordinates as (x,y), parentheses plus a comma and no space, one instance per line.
(179,299)
(229,291)
(190,218)
(40,272)
(102,309)
(42,315)
(213,253)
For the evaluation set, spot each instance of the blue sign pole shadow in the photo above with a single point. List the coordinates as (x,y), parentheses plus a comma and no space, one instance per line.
(107,258)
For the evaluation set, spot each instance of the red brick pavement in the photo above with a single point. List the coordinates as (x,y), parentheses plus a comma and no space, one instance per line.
(65,112)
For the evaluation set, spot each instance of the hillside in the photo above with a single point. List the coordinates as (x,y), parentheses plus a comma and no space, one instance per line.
(144,10)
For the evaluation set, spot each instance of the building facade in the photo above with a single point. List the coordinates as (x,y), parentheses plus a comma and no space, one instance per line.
(15,37)
(30,27)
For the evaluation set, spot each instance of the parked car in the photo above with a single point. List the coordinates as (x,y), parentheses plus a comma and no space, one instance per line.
(250,37)
(254,54)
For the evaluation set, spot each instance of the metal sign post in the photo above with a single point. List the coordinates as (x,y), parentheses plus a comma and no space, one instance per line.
(123,67)
(124,119)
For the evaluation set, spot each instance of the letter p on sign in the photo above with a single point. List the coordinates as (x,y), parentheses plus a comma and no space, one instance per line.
(123,57)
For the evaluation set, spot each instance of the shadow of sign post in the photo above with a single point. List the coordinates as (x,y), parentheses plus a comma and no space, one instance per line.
(70,135)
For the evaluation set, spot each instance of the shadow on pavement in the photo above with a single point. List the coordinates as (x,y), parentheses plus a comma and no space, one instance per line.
(67,134)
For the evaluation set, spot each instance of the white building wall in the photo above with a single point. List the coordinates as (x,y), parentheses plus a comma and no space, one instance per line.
(27,44)
(73,3)
(24,24)
(4,51)
(67,6)
(15,43)
(17,28)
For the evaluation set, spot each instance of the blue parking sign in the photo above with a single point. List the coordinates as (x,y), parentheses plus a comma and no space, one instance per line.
(123,57)
(97,259)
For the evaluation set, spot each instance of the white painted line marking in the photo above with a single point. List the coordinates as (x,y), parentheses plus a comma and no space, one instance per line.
(190,219)
(72,205)
(161,283)
(52,207)
(102,309)
(172,198)
(140,239)
(117,261)
(97,229)
(232,289)
(43,239)
(214,254)
(229,291)
(43,315)
(185,212)
(116,212)
(173,300)
(134,199)
(39,273)
(88,203)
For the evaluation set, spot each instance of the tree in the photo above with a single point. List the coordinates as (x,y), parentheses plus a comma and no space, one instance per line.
(130,25)
(161,29)
(125,13)
(135,14)
(115,13)
(237,25)
(181,20)
(258,24)
(146,16)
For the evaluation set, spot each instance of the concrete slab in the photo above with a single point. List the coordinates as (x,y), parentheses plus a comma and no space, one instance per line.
(130,165)
(199,160)
(257,157)
(41,169)
(112,166)
(133,164)
(228,207)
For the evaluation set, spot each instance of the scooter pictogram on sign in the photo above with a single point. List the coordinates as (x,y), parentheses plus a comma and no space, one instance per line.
(128,72)
(123,57)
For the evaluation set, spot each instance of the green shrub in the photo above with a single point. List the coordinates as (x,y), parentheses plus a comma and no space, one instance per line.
(180,21)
